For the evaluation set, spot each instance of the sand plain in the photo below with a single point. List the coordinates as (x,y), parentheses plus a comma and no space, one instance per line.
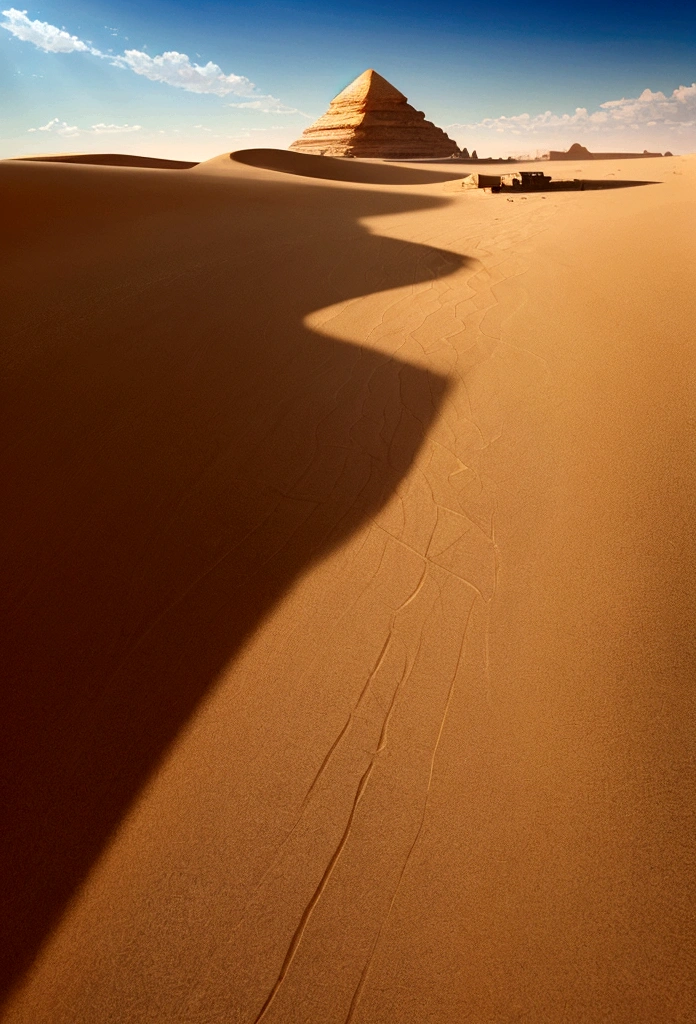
(348,596)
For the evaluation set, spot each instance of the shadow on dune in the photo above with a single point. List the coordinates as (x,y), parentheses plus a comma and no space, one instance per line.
(577,185)
(179,449)
(339,168)
(587,184)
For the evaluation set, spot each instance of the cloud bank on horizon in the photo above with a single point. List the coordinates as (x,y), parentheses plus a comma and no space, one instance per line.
(650,110)
(668,121)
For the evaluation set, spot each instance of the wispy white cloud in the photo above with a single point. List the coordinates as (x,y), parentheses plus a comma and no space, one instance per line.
(176,69)
(649,110)
(197,130)
(47,37)
(58,127)
(267,105)
(171,68)
(70,131)
(113,129)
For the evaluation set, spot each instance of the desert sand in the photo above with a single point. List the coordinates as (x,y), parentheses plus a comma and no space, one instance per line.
(348,595)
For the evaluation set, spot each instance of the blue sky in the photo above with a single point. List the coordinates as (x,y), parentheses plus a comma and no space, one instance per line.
(177,79)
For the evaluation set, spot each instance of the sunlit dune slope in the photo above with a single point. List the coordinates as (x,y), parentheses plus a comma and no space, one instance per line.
(348,596)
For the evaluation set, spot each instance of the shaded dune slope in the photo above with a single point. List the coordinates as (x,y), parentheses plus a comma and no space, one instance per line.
(179,447)
(335,168)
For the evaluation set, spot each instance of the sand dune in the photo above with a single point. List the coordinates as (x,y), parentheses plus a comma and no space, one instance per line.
(368,172)
(348,596)
(113,160)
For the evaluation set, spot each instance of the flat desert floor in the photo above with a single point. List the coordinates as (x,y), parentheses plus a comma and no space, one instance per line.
(349,595)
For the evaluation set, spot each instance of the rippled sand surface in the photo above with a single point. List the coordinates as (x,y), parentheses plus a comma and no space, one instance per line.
(348,595)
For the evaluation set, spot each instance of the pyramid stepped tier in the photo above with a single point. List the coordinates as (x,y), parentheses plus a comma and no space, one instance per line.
(371,118)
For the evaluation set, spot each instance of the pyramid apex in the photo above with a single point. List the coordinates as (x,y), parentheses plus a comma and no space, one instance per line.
(368,88)
(370,118)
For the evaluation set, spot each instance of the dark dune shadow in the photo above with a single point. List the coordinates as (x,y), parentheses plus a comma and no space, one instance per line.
(114,160)
(578,185)
(587,184)
(339,168)
(177,452)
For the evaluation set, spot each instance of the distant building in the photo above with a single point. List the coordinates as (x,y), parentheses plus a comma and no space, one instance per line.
(578,152)
(371,118)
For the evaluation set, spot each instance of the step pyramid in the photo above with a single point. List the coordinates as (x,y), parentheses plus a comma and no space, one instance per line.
(371,118)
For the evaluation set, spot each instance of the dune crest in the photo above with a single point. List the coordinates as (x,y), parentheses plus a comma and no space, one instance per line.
(113,160)
(364,172)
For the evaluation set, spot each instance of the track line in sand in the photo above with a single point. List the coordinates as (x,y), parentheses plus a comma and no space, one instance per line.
(309,909)
(364,780)
(366,969)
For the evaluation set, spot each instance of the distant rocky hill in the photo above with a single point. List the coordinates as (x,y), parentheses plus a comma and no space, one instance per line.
(578,152)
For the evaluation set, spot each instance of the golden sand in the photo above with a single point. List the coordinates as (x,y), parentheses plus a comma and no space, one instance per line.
(349,595)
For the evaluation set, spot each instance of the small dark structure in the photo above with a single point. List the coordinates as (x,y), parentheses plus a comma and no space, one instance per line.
(530,180)
(537,181)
